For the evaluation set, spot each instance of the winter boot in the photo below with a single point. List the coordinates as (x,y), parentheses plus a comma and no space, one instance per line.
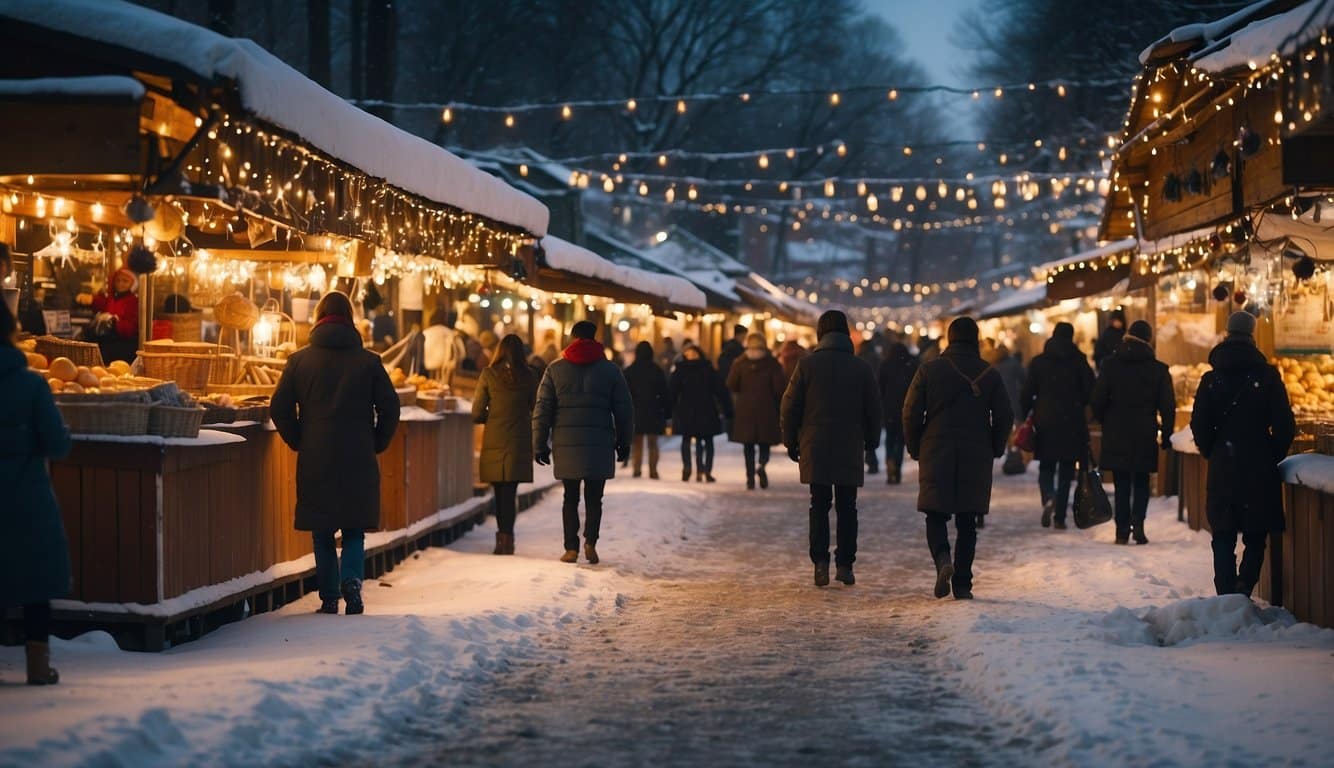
(352,596)
(981,521)
(329,606)
(1137,532)
(944,572)
(590,553)
(1058,524)
(709,478)
(685,474)
(892,476)
(504,544)
(822,574)
(570,556)
(763,476)
(1122,537)
(40,671)
(844,574)
(963,594)
(1048,509)
(653,474)
(750,482)
(639,472)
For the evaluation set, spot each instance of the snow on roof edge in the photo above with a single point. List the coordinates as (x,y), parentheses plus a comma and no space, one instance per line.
(96,85)
(564,255)
(1116,246)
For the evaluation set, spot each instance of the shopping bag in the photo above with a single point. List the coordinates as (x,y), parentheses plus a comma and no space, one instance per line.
(1014,462)
(1026,437)
(1091,505)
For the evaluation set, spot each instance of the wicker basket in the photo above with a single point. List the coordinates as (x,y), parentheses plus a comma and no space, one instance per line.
(105,418)
(241,391)
(81,352)
(217,414)
(407,396)
(186,326)
(258,412)
(170,421)
(187,364)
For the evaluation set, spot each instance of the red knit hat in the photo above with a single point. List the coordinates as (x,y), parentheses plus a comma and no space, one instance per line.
(134,279)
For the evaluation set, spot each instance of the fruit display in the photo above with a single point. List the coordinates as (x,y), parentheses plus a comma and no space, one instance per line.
(1310,384)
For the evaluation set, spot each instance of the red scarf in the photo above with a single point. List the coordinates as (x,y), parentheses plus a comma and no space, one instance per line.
(335,320)
(584,352)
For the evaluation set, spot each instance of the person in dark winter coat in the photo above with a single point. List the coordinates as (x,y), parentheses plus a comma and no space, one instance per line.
(757,382)
(699,403)
(1243,426)
(956,420)
(653,406)
(790,354)
(506,393)
(830,418)
(1056,392)
(732,350)
(1110,340)
(1011,369)
(584,414)
(896,374)
(335,406)
(1133,400)
(872,350)
(36,567)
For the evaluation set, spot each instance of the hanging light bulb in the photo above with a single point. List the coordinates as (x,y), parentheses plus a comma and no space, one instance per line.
(631,105)
(447,116)
(763,161)
(896,194)
(681,106)
(943,190)
(643,189)
(566,112)
(893,94)
(509,121)
(834,99)
(921,193)
(872,204)
(861,189)
(670,194)
(829,188)
(662,161)
(691,193)
(608,185)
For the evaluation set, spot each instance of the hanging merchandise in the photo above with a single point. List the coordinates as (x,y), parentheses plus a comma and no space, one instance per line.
(141,260)
(1222,291)
(1304,267)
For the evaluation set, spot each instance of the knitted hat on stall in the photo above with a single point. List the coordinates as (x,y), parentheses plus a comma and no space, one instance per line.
(1140,331)
(832,321)
(962,329)
(1241,324)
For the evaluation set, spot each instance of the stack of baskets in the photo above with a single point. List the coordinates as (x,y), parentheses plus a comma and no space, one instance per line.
(171,421)
(105,414)
(189,364)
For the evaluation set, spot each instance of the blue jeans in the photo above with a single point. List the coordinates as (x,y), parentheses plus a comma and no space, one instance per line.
(327,571)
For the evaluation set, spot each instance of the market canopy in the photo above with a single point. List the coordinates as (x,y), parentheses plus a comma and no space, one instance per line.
(563,267)
(1090,272)
(1016,302)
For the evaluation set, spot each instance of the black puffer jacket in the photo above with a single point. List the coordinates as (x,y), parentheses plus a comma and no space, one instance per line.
(1243,425)
(583,413)
(831,413)
(1056,392)
(698,397)
(336,407)
(648,390)
(956,421)
(1134,402)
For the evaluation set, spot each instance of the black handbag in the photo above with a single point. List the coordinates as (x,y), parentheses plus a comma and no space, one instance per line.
(1091,505)
(1014,462)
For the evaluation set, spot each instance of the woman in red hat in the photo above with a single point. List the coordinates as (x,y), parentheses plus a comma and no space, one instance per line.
(115,327)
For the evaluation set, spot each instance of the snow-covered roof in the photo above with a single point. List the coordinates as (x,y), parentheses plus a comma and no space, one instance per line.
(1116,246)
(795,308)
(1206,33)
(569,257)
(1015,301)
(686,251)
(278,94)
(97,86)
(640,256)
(1280,35)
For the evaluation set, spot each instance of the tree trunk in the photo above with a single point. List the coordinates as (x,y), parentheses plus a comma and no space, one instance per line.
(356,15)
(381,34)
(317,33)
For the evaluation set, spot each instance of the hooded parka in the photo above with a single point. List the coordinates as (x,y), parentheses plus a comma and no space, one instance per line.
(504,403)
(1243,425)
(583,413)
(956,421)
(758,386)
(336,407)
(698,396)
(1133,400)
(36,568)
(649,392)
(1057,390)
(831,413)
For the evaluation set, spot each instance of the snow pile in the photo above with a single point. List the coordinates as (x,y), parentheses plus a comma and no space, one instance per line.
(569,257)
(1313,470)
(279,94)
(1227,617)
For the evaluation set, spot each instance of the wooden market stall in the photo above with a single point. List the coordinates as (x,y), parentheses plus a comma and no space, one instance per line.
(1228,148)
(218,174)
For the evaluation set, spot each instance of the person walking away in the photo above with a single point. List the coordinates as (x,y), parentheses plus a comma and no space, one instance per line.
(789,355)
(699,403)
(653,406)
(1111,337)
(1133,400)
(1058,389)
(830,418)
(872,351)
(335,406)
(896,374)
(956,421)
(757,382)
(506,394)
(732,350)
(36,570)
(1243,426)
(584,416)
(1011,369)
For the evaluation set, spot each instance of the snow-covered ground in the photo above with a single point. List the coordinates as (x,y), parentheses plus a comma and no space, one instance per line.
(1092,654)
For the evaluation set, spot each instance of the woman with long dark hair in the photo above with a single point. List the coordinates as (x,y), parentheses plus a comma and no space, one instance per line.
(504,402)
(38,569)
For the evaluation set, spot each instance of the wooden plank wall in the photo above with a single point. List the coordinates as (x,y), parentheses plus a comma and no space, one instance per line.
(457,467)
(210,516)
(422,442)
(1194,481)
(1308,555)
(393,479)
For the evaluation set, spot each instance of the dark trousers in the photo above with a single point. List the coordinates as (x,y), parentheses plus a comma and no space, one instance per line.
(1227,580)
(507,505)
(637,453)
(37,622)
(329,573)
(1132,499)
(703,454)
(1054,481)
(593,488)
(894,444)
(842,499)
(965,544)
(872,463)
(748,450)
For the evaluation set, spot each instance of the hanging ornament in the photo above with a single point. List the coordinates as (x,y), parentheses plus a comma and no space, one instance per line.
(1221,291)
(1221,167)
(139,210)
(1195,182)
(1250,142)
(1239,298)
(1172,188)
(1215,243)
(1304,268)
(141,261)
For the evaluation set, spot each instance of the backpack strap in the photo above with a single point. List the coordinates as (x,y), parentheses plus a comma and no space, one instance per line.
(972,382)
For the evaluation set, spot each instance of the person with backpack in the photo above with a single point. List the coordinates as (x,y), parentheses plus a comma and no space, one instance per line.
(956,421)
(1056,391)
(1243,425)
(1134,402)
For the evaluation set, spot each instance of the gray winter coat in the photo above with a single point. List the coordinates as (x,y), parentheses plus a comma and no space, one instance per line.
(831,413)
(583,414)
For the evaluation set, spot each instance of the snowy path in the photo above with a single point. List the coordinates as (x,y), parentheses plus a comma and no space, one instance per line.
(701,639)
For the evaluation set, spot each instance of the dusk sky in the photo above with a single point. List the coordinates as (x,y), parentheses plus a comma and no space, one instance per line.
(927,26)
